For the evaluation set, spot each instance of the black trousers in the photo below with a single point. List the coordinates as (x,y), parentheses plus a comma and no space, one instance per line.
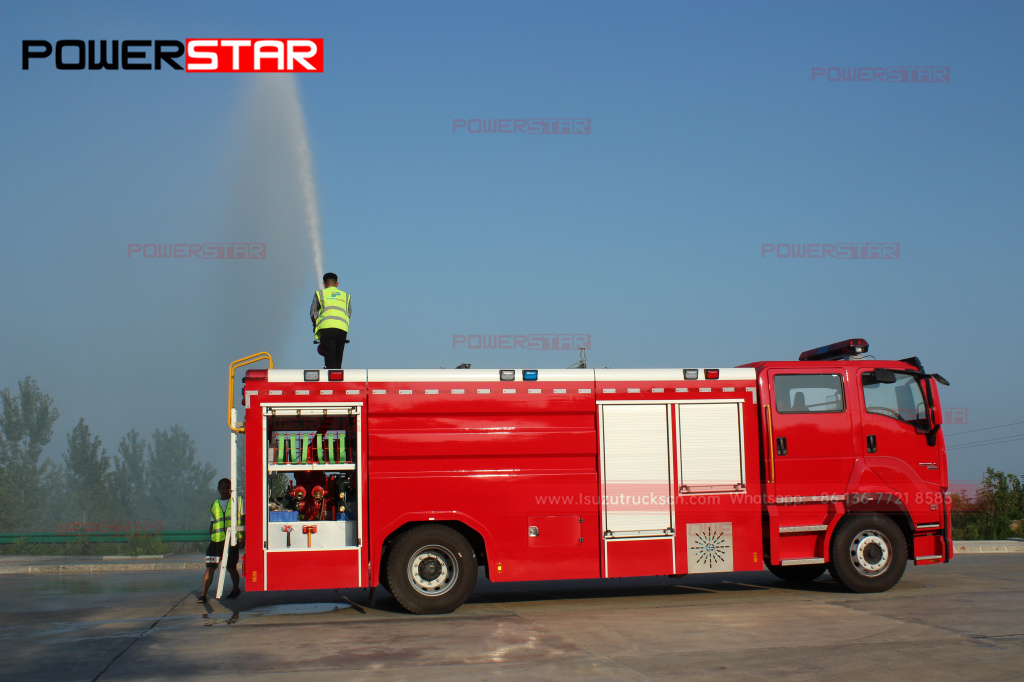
(333,343)
(215,550)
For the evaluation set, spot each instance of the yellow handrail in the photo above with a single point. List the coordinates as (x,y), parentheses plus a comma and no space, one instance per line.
(256,357)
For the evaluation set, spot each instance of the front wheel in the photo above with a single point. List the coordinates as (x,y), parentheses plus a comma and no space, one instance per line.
(869,553)
(431,569)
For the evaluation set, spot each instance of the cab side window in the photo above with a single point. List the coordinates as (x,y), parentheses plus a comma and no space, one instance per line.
(902,400)
(808,393)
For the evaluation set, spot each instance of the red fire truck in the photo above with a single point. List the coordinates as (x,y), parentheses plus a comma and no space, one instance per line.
(412,479)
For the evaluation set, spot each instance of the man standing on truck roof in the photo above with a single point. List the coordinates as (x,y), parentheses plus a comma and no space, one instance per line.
(330,314)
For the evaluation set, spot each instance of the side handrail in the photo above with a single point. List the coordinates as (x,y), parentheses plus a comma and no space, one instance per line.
(248,360)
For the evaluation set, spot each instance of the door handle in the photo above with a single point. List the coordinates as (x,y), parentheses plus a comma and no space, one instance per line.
(780,446)
(872,445)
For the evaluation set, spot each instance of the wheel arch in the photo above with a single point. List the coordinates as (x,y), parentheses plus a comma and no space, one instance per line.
(475,538)
(884,503)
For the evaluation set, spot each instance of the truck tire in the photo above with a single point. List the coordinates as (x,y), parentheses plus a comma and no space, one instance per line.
(803,573)
(431,569)
(869,553)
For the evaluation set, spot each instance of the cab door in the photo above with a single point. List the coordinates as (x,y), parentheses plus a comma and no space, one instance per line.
(811,451)
(894,427)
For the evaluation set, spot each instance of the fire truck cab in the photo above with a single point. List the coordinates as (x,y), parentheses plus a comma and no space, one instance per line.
(412,479)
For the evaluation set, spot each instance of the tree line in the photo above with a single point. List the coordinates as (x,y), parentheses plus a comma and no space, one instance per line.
(145,481)
(994,512)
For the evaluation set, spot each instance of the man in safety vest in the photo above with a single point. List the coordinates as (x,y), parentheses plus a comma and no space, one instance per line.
(330,314)
(220,519)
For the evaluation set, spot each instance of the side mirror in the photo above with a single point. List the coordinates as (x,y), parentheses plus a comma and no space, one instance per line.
(885,376)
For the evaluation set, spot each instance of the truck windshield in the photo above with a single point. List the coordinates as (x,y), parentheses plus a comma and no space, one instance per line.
(901,400)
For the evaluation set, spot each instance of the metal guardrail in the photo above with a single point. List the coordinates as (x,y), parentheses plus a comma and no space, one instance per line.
(59,538)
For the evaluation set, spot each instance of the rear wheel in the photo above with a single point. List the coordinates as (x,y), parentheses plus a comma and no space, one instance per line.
(804,573)
(869,553)
(431,569)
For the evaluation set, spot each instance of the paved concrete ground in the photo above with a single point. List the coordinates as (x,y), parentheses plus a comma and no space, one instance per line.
(957,621)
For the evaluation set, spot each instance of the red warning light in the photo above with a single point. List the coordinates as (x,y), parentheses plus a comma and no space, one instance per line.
(836,351)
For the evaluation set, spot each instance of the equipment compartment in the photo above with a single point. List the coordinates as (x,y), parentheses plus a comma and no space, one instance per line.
(312,486)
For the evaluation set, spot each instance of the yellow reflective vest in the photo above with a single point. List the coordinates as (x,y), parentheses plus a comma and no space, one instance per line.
(335,308)
(221,521)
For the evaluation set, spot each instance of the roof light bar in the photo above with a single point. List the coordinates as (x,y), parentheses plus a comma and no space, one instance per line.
(255,375)
(837,351)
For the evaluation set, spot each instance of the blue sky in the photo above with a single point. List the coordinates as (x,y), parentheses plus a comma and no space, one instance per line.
(708,139)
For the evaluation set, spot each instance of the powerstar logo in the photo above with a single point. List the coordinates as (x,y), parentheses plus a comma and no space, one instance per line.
(202,55)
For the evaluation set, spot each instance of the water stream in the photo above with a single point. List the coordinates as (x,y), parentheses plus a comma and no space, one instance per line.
(298,140)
